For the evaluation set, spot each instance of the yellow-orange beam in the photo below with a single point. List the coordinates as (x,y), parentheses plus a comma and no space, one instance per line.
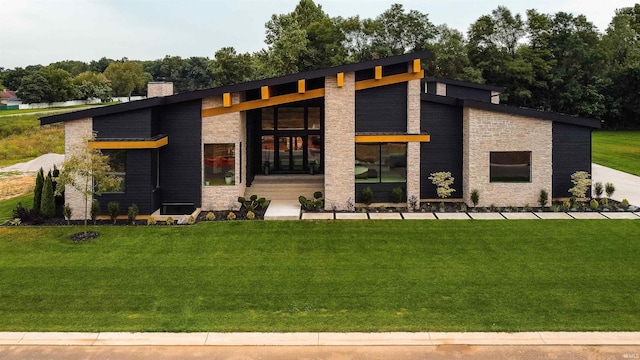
(340,79)
(226,99)
(392,138)
(301,86)
(388,80)
(265,93)
(416,66)
(378,73)
(257,104)
(152,144)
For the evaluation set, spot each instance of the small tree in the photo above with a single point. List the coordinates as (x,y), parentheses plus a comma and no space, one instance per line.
(543,198)
(609,189)
(443,181)
(598,189)
(114,210)
(87,170)
(132,213)
(48,203)
(37,191)
(67,213)
(581,183)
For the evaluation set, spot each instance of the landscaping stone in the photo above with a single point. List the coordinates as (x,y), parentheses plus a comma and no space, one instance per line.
(520,216)
(486,216)
(621,215)
(586,215)
(419,216)
(351,216)
(452,216)
(554,216)
(317,216)
(385,216)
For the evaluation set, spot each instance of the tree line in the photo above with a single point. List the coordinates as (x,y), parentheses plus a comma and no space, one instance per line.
(553,62)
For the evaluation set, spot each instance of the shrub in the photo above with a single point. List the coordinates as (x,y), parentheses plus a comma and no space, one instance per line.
(114,210)
(169,221)
(413,203)
(543,198)
(475,197)
(625,204)
(593,204)
(67,213)
(56,171)
(251,215)
(132,213)
(581,183)
(604,202)
(151,221)
(443,181)
(566,205)
(598,189)
(37,191)
(463,207)
(609,189)
(210,216)
(29,216)
(253,203)
(231,215)
(554,208)
(396,195)
(311,204)
(48,202)
(95,210)
(367,196)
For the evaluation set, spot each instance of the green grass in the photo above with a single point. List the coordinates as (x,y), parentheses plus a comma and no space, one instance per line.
(617,149)
(7,206)
(325,276)
(64,109)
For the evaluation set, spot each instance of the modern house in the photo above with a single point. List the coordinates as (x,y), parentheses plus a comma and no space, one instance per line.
(378,124)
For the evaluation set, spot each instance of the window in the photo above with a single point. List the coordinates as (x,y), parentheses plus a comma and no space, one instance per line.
(219,164)
(118,165)
(291,118)
(381,162)
(510,166)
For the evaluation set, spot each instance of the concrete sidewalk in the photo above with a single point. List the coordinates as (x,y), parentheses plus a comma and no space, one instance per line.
(317,339)
(627,185)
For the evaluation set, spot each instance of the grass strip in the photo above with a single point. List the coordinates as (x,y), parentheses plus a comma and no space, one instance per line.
(573,275)
(617,149)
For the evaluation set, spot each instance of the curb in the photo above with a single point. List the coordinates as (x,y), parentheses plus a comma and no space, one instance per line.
(317,339)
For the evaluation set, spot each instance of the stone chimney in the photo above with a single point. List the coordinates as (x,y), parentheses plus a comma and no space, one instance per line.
(159,88)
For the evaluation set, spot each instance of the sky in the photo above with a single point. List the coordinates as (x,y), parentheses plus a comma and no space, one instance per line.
(45,31)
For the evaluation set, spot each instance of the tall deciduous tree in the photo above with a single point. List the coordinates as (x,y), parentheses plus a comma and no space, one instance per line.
(125,77)
(90,85)
(230,68)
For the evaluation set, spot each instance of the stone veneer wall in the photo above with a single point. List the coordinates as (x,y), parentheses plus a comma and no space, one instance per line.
(155,89)
(441,89)
(485,131)
(413,148)
(224,129)
(339,140)
(76,134)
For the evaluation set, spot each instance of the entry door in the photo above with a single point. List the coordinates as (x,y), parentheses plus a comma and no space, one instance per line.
(291,153)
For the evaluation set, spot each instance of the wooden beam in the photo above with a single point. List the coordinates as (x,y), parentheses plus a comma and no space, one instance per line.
(257,104)
(340,79)
(226,100)
(265,93)
(144,144)
(378,73)
(392,138)
(388,80)
(416,66)
(301,86)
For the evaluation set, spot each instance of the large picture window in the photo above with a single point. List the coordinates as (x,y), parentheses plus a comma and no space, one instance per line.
(381,163)
(219,164)
(510,166)
(118,165)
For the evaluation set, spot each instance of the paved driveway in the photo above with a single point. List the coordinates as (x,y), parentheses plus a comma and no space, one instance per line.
(627,185)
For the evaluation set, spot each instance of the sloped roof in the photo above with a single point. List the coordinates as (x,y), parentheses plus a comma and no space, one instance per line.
(200,94)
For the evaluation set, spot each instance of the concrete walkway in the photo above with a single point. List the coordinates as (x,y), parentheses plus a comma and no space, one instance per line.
(318,339)
(627,185)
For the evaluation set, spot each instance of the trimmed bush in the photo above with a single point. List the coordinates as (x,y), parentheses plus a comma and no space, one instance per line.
(169,221)
(114,211)
(593,204)
(151,221)
(231,215)
(367,196)
(311,204)
(67,213)
(210,216)
(396,195)
(251,215)
(625,204)
(132,213)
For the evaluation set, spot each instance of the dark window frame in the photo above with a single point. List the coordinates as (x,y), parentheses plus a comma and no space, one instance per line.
(510,167)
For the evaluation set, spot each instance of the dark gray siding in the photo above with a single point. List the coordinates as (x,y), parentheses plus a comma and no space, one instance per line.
(180,160)
(571,153)
(135,124)
(382,109)
(461,92)
(444,152)
(381,191)
(138,187)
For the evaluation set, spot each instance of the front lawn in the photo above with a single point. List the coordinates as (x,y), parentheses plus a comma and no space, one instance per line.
(325,276)
(617,149)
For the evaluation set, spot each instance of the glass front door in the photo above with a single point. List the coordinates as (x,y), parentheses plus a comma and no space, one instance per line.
(290,154)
